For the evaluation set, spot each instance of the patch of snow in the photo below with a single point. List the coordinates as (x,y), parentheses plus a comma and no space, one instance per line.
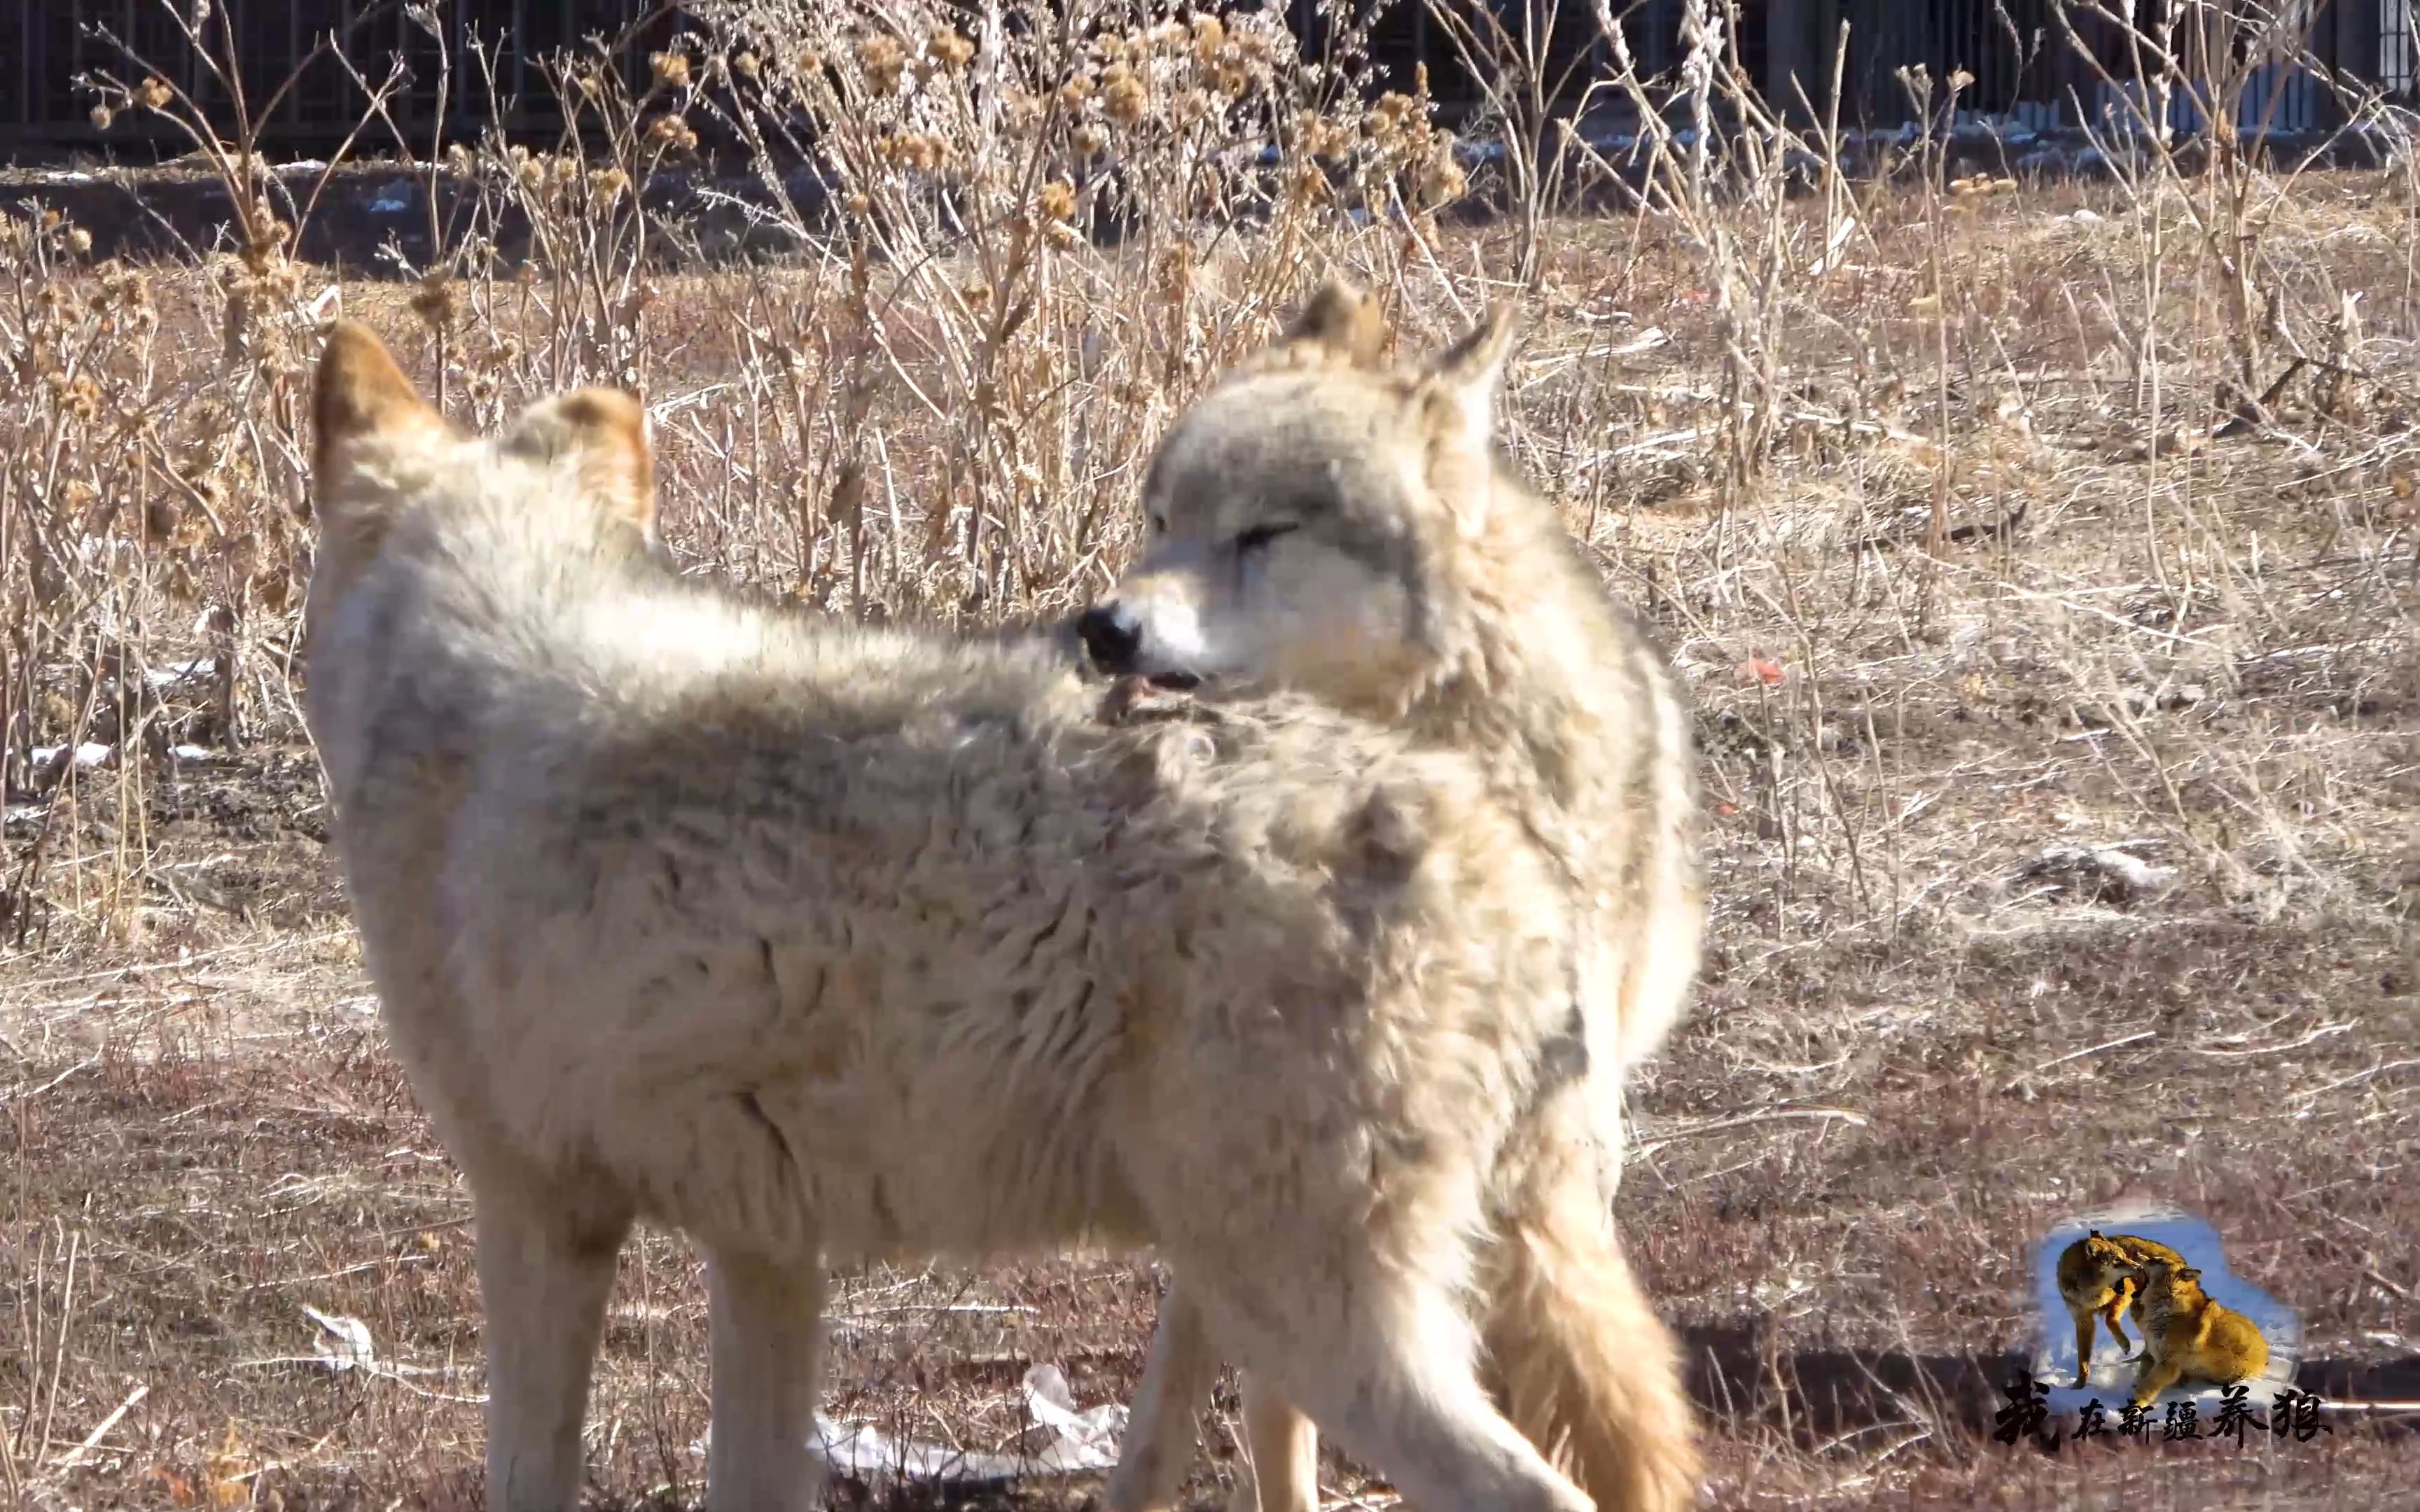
(90,754)
(178,672)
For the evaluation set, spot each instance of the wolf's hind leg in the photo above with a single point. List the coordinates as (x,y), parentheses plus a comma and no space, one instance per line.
(1283,1448)
(546,1271)
(1589,1372)
(762,1317)
(1280,1443)
(1160,1437)
(1387,1362)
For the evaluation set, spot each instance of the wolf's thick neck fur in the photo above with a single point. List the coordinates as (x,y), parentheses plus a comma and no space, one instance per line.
(1593,749)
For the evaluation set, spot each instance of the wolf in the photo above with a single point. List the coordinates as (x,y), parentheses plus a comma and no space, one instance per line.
(1326,524)
(2101,1277)
(824,945)
(2187,1336)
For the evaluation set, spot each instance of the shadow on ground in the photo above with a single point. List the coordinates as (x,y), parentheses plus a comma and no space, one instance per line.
(1734,1372)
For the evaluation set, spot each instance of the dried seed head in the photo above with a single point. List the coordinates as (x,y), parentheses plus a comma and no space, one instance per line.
(747,64)
(671,134)
(1442,180)
(1125,99)
(671,69)
(1176,270)
(883,61)
(436,302)
(101,117)
(151,94)
(950,50)
(607,184)
(1057,201)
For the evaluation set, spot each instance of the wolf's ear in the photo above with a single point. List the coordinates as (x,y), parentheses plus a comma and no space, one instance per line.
(603,432)
(2188,1273)
(1458,387)
(360,395)
(1341,321)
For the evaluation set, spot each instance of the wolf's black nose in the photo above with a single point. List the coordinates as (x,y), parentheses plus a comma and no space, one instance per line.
(1111,637)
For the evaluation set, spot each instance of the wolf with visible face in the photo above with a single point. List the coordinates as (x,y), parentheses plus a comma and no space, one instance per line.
(824,945)
(2188,1337)
(1324,524)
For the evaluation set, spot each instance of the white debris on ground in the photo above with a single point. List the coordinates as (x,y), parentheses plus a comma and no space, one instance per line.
(2098,874)
(1062,1440)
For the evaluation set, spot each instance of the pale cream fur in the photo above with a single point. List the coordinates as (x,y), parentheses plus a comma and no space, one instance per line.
(825,945)
(1324,524)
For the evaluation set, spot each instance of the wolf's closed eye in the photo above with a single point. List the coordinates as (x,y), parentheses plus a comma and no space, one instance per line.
(1260,535)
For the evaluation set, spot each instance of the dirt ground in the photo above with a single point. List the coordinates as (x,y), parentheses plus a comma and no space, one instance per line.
(2075,864)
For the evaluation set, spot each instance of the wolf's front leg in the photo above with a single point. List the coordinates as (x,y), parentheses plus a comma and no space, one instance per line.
(545,1269)
(2083,1316)
(2157,1376)
(2117,1310)
(763,1317)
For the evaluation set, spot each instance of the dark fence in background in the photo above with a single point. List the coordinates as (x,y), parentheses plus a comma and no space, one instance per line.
(2016,51)
(45,45)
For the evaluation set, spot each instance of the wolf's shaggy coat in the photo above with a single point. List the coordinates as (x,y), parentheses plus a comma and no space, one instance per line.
(1324,523)
(830,945)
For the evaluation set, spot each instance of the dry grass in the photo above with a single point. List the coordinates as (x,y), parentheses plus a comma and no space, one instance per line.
(1956,507)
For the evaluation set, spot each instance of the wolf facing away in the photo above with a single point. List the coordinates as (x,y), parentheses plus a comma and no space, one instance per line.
(1324,524)
(823,945)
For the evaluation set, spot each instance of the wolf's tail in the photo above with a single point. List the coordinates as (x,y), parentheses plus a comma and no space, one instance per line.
(1588,1372)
